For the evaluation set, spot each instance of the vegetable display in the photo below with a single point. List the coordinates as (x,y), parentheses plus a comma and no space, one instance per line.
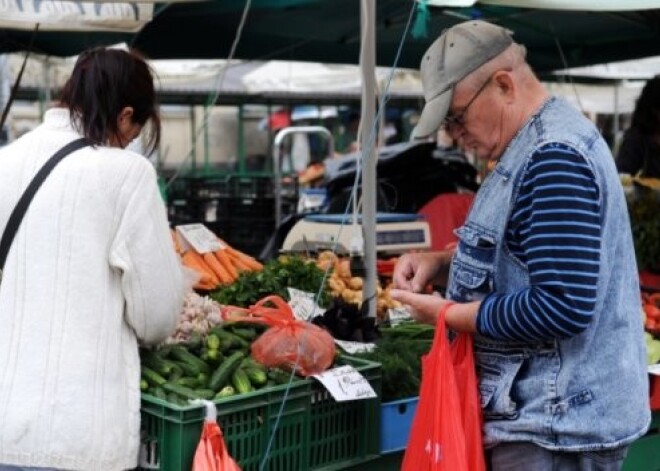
(218,268)
(213,367)
(199,314)
(277,275)
(344,285)
(399,351)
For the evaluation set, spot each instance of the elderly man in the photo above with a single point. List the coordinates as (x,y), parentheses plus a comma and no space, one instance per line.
(544,273)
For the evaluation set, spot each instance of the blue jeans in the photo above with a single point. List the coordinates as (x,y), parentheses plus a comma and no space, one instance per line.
(519,456)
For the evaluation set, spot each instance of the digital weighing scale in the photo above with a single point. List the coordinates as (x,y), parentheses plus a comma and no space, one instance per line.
(395,233)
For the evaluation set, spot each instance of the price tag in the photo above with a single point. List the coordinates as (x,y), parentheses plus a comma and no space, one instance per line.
(398,315)
(303,304)
(655,369)
(355,347)
(345,383)
(199,237)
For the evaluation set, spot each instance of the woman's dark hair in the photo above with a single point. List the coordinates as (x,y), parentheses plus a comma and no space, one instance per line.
(105,81)
(646,116)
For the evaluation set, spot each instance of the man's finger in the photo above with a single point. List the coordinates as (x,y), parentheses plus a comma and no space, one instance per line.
(403,296)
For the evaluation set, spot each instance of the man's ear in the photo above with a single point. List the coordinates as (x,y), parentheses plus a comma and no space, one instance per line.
(506,86)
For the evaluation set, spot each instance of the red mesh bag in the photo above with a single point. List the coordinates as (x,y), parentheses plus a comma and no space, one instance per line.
(288,343)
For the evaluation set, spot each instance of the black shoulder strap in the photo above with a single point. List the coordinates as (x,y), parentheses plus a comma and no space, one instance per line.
(21,207)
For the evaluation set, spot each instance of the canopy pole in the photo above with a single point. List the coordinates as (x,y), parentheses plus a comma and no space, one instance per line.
(368,140)
(615,120)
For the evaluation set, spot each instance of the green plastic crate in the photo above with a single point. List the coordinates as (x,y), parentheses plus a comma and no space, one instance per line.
(171,433)
(644,453)
(345,433)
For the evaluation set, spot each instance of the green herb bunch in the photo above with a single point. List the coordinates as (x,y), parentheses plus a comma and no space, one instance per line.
(276,276)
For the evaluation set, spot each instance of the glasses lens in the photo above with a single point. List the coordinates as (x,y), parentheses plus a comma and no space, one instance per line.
(451,122)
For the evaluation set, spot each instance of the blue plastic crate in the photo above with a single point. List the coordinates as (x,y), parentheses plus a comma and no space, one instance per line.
(395,422)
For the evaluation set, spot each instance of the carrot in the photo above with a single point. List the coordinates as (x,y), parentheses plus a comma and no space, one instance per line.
(238,263)
(224,259)
(252,263)
(207,286)
(193,260)
(217,268)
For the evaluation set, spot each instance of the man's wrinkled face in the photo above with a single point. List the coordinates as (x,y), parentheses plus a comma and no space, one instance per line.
(475,118)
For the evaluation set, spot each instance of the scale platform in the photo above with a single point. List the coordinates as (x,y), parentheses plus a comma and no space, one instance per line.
(396,233)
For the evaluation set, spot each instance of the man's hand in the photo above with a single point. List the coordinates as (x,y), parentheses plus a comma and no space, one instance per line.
(425,308)
(414,271)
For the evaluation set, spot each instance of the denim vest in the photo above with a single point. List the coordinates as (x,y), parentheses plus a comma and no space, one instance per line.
(588,392)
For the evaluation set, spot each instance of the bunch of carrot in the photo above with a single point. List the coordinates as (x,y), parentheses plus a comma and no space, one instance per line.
(216,268)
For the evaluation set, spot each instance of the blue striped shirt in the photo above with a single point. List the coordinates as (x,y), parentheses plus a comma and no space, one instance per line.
(554,230)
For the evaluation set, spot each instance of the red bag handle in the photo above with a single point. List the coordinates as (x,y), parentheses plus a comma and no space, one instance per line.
(259,313)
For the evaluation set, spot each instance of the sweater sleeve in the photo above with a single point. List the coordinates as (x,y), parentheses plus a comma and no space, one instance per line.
(555,230)
(142,250)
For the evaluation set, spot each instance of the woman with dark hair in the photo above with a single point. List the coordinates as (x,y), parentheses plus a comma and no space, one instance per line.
(640,149)
(90,271)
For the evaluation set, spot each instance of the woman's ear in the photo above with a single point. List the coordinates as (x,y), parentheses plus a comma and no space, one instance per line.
(125,115)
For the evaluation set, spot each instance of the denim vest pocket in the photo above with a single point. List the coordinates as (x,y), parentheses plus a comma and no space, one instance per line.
(469,283)
(497,374)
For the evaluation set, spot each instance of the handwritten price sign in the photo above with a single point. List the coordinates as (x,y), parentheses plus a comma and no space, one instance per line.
(345,383)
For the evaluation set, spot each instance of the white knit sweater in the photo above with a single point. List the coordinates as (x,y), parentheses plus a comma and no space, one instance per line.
(91,270)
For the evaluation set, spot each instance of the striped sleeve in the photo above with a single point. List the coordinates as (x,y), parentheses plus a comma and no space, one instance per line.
(555,230)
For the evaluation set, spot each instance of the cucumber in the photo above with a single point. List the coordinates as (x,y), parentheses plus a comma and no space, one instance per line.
(153,361)
(176,373)
(159,393)
(176,399)
(223,373)
(153,378)
(180,390)
(205,393)
(202,379)
(256,376)
(250,362)
(279,376)
(229,340)
(213,342)
(187,382)
(188,369)
(240,381)
(225,392)
(183,355)
(212,356)
(246,333)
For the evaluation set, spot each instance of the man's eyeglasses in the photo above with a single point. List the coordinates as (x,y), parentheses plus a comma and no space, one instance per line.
(452,121)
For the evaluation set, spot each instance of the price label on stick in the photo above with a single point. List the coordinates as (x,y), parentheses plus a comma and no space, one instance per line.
(303,304)
(398,315)
(199,237)
(355,347)
(345,383)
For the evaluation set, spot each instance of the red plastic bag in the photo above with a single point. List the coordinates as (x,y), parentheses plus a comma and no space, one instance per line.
(211,453)
(446,430)
(289,343)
